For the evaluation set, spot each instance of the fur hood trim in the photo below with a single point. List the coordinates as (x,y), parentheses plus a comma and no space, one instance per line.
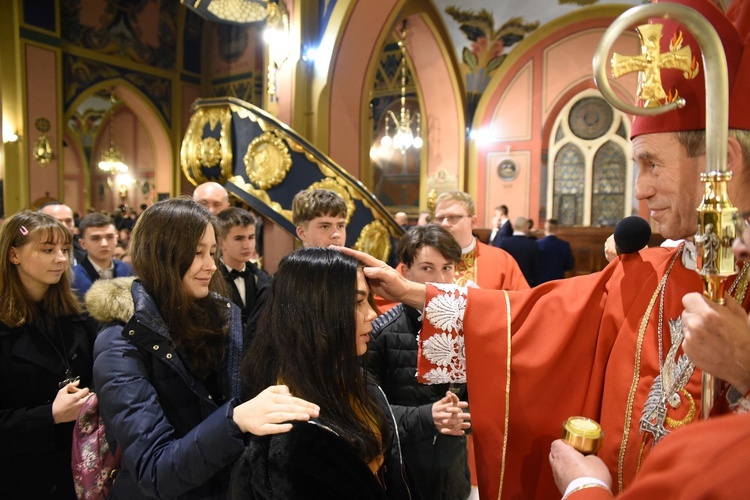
(111,300)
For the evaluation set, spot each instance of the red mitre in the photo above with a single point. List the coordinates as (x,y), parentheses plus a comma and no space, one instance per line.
(733,29)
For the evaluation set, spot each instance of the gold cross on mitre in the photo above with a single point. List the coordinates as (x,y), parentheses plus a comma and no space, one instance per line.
(651,61)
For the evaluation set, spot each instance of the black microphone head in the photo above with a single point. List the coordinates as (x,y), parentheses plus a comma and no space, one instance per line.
(631,234)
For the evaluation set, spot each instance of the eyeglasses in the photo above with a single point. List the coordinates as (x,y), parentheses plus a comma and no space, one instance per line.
(741,224)
(452,219)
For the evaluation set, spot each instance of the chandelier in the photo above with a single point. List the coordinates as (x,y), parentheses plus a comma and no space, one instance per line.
(403,137)
(112,159)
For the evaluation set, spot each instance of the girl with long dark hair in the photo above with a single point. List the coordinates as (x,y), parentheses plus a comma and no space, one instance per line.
(45,358)
(168,379)
(310,336)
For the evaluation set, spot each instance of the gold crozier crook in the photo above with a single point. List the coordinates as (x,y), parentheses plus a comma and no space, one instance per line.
(715,232)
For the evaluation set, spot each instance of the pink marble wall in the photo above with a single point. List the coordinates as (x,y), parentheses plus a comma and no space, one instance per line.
(136,144)
(350,90)
(42,102)
(444,121)
(355,49)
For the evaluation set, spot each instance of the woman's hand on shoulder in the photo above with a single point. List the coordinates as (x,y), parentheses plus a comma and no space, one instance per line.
(271,411)
(68,402)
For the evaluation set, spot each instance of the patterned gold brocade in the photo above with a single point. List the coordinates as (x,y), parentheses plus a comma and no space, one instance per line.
(466,270)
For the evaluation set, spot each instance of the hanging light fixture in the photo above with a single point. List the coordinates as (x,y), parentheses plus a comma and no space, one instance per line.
(112,160)
(403,138)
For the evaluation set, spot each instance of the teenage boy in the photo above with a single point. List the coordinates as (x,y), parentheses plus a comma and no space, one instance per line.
(320,218)
(237,244)
(98,238)
(431,421)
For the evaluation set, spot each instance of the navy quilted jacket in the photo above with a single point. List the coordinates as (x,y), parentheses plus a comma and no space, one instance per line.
(177,442)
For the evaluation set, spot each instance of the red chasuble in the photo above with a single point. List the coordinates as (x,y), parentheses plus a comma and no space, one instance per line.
(582,346)
(706,460)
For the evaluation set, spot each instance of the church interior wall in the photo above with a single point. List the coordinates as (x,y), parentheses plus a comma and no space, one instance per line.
(557,59)
(443,107)
(361,39)
(41,66)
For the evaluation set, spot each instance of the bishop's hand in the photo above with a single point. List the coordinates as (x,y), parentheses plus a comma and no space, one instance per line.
(387,282)
(717,338)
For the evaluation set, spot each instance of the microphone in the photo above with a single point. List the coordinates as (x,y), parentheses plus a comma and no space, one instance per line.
(631,234)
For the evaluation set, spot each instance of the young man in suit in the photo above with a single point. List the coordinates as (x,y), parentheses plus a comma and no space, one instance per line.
(501,226)
(98,238)
(555,255)
(237,244)
(523,249)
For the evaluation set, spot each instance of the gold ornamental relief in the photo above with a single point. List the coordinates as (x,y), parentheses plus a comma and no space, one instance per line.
(198,152)
(267,160)
(238,181)
(331,184)
(209,152)
(375,240)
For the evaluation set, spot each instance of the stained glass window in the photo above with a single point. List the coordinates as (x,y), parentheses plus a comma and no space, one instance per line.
(589,182)
(608,185)
(568,185)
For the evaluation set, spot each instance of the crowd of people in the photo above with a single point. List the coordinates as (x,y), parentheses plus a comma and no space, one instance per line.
(217,380)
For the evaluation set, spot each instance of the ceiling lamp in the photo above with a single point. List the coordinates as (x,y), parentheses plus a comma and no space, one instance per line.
(112,159)
(232,11)
(403,138)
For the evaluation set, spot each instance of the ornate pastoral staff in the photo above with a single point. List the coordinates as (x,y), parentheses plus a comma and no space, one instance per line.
(716,230)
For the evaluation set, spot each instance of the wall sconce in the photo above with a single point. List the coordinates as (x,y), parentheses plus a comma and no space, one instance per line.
(42,149)
(276,36)
(9,133)
(124,182)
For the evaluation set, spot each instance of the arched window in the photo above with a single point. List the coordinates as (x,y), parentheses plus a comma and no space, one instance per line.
(590,183)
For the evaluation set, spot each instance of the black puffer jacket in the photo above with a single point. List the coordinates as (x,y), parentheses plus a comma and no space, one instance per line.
(177,441)
(438,463)
(312,462)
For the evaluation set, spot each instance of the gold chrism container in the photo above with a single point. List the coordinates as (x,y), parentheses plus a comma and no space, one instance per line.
(583,434)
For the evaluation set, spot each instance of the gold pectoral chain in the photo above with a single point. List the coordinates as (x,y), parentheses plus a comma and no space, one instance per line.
(636,368)
(674,373)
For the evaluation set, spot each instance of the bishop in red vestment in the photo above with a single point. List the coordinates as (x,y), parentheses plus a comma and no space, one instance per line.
(605,346)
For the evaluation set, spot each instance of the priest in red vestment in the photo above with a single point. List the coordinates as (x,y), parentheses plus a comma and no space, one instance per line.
(481,265)
(605,346)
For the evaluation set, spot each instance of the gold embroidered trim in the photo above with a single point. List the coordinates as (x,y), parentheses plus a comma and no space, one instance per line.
(637,371)
(466,270)
(507,394)
(584,487)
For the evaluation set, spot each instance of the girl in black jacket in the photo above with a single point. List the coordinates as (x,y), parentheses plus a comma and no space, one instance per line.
(45,358)
(314,327)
